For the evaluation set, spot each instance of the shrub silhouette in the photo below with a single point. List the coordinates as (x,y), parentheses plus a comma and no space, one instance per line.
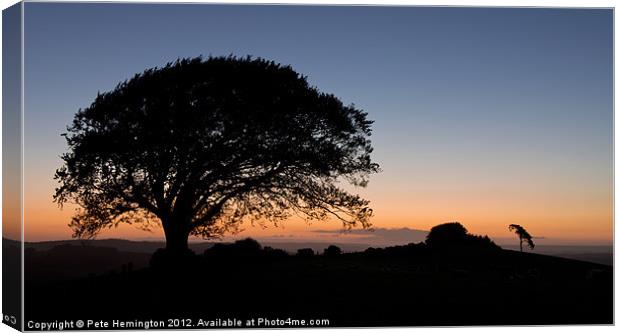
(332,251)
(247,245)
(305,253)
(200,145)
(482,242)
(242,249)
(453,236)
(274,254)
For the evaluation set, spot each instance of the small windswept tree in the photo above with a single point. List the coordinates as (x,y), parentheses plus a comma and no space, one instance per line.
(201,145)
(524,236)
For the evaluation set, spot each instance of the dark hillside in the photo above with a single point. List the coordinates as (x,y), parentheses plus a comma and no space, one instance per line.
(401,285)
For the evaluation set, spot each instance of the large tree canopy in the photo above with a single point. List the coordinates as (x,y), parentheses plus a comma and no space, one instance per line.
(201,145)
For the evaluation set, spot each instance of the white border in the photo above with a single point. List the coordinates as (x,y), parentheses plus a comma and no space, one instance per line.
(496,3)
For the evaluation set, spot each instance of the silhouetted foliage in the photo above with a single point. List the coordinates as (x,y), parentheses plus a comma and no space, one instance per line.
(454,236)
(481,242)
(242,249)
(201,145)
(332,251)
(275,254)
(247,245)
(446,235)
(305,253)
(409,251)
(524,236)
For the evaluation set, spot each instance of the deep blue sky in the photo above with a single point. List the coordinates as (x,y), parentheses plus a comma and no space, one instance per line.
(505,112)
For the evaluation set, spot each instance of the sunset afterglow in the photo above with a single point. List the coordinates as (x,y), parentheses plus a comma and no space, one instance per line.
(478,118)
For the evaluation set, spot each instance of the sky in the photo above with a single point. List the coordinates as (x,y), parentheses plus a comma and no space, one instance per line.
(484,116)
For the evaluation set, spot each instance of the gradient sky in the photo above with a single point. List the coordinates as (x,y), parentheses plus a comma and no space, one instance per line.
(484,116)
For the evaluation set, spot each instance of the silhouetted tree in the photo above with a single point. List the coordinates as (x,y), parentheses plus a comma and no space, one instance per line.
(524,236)
(199,146)
(272,253)
(332,251)
(242,249)
(305,253)
(247,245)
(446,235)
(454,236)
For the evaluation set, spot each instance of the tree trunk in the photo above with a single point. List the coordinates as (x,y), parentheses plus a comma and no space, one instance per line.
(521,244)
(177,254)
(176,238)
(176,242)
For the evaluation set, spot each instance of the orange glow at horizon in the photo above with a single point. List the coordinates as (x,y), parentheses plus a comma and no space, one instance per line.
(583,215)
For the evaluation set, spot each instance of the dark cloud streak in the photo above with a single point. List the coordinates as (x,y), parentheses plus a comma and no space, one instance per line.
(381,236)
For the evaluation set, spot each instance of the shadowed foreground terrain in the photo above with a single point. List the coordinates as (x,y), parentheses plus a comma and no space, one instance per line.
(403,285)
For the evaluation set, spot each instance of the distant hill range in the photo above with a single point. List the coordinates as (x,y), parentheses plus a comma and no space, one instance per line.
(602,254)
(52,260)
(198,247)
